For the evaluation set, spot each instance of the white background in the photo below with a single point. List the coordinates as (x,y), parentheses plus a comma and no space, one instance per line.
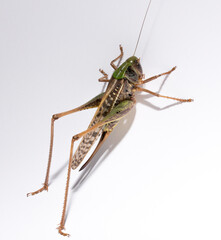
(158,175)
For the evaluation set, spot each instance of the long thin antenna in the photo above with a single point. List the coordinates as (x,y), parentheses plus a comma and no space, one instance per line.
(142,27)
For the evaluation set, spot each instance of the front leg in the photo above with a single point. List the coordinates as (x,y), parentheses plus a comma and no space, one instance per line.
(157,76)
(119,57)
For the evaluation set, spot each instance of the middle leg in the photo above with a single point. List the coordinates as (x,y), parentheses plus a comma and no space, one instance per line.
(104,78)
(159,95)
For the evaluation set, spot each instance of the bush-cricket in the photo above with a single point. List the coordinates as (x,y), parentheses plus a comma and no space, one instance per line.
(112,105)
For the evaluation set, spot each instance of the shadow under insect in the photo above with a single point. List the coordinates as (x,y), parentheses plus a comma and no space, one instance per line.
(113,140)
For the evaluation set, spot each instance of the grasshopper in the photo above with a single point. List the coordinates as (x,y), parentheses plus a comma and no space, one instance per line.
(112,105)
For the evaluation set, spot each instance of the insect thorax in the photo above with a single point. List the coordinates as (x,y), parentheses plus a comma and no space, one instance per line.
(130,69)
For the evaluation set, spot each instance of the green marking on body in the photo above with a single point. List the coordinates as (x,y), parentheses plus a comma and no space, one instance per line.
(122,106)
(119,73)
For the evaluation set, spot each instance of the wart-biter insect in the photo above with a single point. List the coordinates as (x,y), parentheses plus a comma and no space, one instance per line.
(112,105)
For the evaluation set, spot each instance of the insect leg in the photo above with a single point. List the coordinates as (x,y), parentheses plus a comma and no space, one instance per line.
(104,78)
(158,95)
(119,57)
(155,77)
(107,123)
(90,104)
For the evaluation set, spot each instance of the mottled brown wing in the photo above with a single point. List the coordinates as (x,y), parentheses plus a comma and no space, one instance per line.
(84,147)
(101,141)
(105,106)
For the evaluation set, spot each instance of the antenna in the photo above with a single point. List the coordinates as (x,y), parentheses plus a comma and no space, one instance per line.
(142,26)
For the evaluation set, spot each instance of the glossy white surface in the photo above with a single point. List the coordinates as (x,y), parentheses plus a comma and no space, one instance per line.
(161,178)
